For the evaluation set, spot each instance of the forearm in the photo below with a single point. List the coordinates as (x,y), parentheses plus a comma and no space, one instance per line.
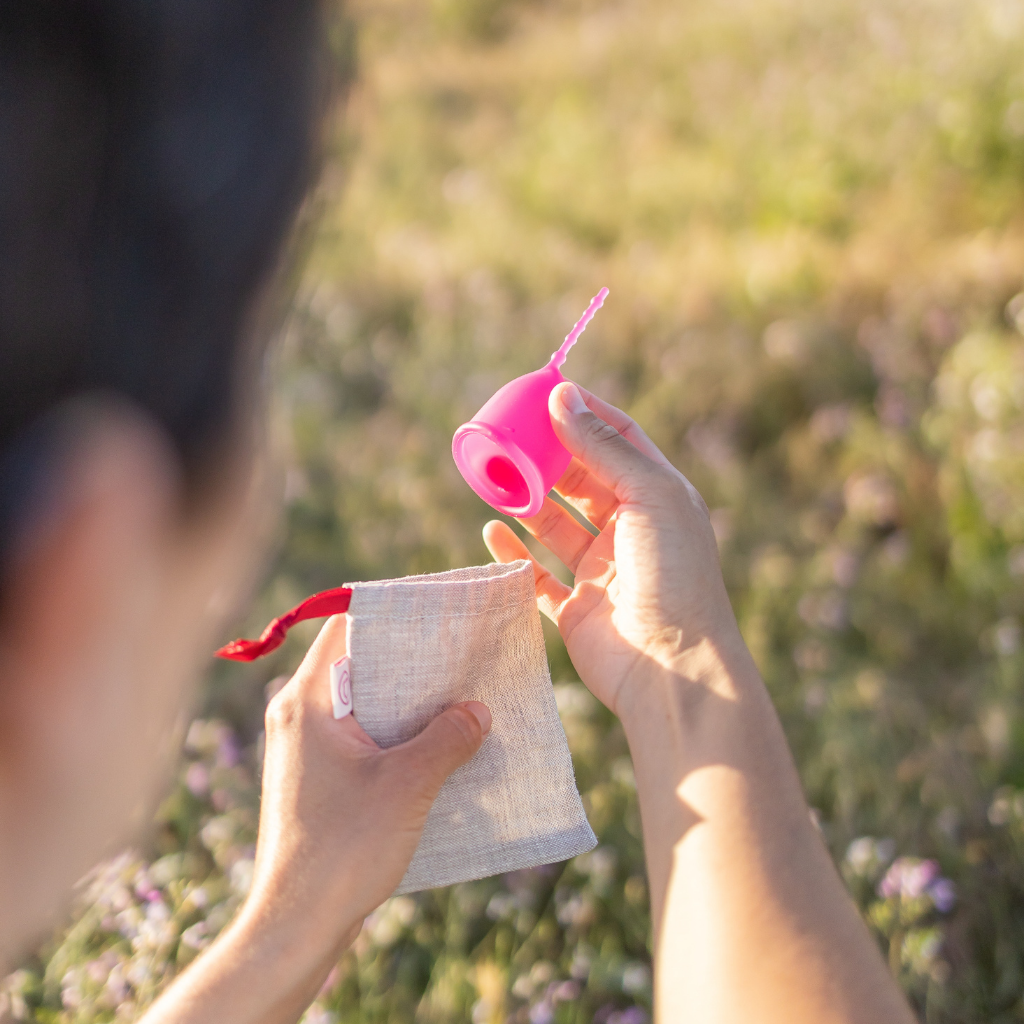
(257,972)
(751,920)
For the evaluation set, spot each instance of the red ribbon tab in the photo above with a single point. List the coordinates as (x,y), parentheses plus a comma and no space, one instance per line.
(319,606)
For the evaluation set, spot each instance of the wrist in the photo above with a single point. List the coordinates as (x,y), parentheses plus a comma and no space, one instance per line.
(678,687)
(300,948)
(706,719)
(261,969)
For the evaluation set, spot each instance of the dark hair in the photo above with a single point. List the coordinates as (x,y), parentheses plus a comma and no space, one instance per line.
(152,156)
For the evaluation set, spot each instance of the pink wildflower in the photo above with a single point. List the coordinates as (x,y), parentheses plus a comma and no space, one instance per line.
(197,779)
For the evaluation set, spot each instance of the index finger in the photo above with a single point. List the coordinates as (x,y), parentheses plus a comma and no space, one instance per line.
(311,679)
(310,687)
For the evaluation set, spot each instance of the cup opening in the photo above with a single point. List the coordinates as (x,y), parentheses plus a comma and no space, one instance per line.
(498,470)
(502,472)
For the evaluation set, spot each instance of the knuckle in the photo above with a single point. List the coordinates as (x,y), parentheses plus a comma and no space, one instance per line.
(698,500)
(581,549)
(683,492)
(282,713)
(676,485)
(601,432)
(547,519)
(662,487)
(542,576)
(575,476)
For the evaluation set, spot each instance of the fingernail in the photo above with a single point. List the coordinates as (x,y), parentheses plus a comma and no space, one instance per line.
(573,400)
(481,713)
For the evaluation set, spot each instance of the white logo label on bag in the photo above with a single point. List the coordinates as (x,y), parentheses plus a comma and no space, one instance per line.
(341,686)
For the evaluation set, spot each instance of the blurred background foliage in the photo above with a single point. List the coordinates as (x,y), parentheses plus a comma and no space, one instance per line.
(811,219)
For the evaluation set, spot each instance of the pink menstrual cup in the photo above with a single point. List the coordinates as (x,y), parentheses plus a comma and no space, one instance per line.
(508,452)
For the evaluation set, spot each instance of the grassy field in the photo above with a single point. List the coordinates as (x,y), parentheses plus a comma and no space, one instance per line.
(811,219)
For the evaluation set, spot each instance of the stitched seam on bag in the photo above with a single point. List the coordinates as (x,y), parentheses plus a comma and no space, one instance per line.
(450,578)
(385,614)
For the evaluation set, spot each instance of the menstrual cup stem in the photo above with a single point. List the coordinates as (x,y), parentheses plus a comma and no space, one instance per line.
(557,358)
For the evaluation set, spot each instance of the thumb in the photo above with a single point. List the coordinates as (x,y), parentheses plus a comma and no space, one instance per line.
(598,445)
(448,742)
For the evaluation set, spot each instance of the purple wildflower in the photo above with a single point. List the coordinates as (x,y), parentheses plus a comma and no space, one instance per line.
(630,1015)
(97,970)
(229,752)
(943,894)
(542,1013)
(564,991)
(911,878)
(197,779)
(919,877)
(908,877)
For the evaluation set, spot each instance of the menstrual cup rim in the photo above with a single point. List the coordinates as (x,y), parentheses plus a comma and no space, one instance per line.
(522,462)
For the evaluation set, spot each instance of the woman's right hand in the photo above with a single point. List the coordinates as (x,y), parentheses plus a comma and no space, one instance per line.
(648,587)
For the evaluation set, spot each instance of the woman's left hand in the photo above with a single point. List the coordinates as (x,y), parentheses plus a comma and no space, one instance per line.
(339,823)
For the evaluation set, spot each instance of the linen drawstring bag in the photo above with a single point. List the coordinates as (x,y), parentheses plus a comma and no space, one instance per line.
(420,644)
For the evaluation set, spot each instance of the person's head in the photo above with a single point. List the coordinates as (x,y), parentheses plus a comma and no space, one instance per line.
(152,158)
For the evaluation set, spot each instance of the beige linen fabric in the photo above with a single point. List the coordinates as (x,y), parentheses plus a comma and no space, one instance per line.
(420,644)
